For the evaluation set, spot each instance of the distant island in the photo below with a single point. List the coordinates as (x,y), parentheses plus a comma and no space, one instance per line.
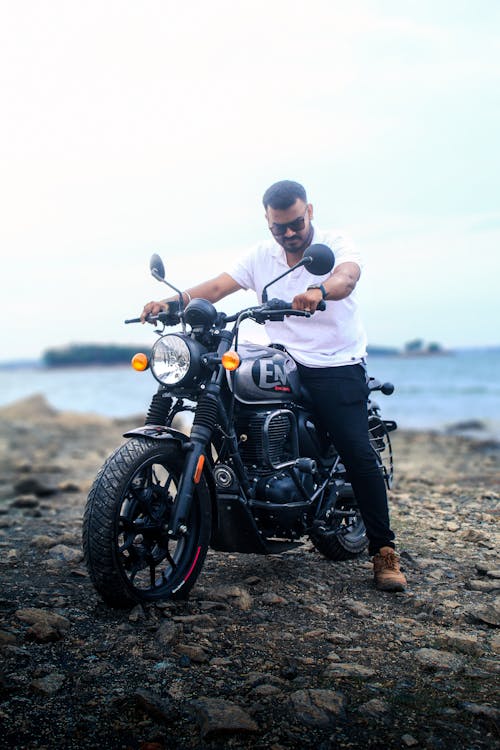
(416,347)
(80,355)
(90,354)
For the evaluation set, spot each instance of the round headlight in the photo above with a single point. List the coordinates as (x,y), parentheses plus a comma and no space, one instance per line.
(170,359)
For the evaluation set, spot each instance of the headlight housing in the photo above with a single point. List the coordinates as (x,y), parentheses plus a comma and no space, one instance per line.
(175,360)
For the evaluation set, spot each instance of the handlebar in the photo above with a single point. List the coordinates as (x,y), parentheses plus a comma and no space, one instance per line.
(166,318)
(280,304)
(274,309)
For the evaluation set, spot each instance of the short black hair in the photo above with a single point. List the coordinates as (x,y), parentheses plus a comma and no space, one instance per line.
(283,194)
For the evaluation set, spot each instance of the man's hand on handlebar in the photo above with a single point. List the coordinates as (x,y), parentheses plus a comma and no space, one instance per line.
(308,300)
(151,309)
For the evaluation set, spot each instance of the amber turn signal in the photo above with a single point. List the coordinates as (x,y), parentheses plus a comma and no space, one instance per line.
(231,360)
(140,362)
(199,469)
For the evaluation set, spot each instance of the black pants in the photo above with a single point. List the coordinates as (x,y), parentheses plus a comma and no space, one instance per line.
(339,396)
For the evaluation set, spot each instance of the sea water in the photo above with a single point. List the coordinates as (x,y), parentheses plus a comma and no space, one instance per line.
(431,392)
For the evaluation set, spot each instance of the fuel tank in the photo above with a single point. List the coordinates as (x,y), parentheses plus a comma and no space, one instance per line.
(265,375)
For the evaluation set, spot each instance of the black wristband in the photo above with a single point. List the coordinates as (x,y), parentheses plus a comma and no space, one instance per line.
(320,287)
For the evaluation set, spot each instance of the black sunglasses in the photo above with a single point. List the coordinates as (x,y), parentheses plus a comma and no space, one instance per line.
(297,225)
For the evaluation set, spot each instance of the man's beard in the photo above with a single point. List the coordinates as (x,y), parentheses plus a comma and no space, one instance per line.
(299,248)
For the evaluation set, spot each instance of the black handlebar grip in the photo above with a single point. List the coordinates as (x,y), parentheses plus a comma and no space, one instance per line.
(321,305)
(133,320)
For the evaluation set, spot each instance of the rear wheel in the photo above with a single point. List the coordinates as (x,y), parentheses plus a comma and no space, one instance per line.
(128,552)
(343,536)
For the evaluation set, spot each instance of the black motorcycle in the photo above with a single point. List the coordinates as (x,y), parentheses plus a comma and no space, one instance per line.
(254,473)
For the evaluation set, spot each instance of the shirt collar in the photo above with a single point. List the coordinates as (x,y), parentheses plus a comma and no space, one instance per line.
(278,252)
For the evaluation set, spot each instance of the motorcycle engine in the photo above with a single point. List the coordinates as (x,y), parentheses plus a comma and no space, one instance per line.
(267,438)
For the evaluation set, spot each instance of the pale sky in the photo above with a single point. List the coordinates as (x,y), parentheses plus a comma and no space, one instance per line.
(129,128)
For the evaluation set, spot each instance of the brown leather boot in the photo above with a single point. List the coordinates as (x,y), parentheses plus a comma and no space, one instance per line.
(387,575)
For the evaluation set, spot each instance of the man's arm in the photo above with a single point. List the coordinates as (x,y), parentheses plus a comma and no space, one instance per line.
(342,281)
(213,290)
(339,286)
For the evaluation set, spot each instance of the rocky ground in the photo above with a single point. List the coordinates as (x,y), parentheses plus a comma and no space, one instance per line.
(287,651)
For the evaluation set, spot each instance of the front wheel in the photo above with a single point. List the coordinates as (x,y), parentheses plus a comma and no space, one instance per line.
(129,555)
(344,535)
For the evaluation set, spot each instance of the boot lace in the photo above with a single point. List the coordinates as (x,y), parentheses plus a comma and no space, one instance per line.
(388,561)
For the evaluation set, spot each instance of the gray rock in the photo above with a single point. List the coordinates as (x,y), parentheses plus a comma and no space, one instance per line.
(486,586)
(25,501)
(344,669)
(482,709)
(318,708)
(43,541)
(218,716)
(159,707)
(467,644)
(65,553)
(489,614)
(194,652)
(358,608)
(267,691)
(137,613)
(34,486)
(433,659)
(35,616)
(272,598)
(409,741)
(374,707)
(6,637)
(50,684)
(168,632)
(235,595)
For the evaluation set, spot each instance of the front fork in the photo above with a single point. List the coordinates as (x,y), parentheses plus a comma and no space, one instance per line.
(201,432)
(205,418)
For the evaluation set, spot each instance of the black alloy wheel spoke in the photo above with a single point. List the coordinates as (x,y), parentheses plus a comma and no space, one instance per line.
(128,545)
(152,574)
(135,569)
(171,560)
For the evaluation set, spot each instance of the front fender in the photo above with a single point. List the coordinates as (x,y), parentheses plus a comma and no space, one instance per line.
(157,432)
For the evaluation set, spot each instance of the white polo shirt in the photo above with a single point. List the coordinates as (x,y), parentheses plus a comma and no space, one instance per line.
(330,338)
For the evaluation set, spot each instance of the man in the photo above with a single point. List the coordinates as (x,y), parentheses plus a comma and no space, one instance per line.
(329,348)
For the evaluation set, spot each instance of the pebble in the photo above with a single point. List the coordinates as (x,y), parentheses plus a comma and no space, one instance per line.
(44,617)
(159,707)
(374,707)
(487,586)
(358,608)
(318,708)
(343,669)
(50,684)
(434,659)
(65,553)
(409,741)
(168,633)
(489,614)
(195,653)
(272,598)
(482,709)
(216,716)
(466,643)
(235,595)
